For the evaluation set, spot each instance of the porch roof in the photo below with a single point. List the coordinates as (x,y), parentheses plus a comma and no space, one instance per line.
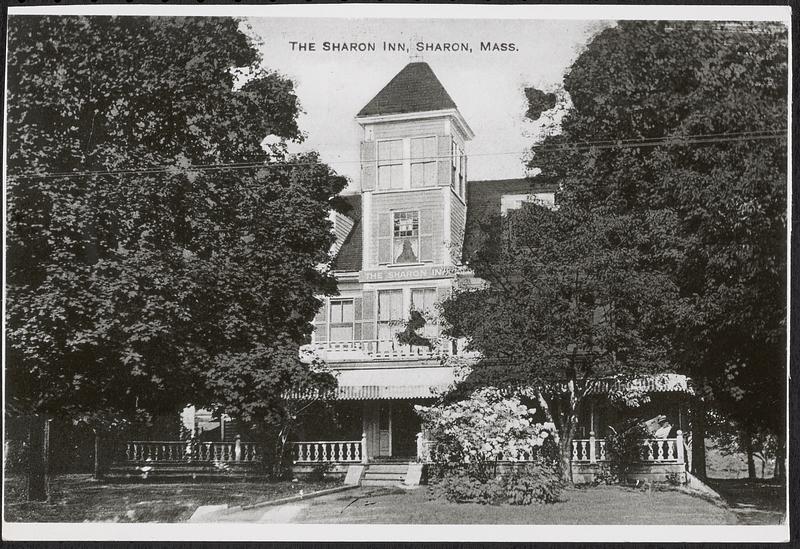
(393,383)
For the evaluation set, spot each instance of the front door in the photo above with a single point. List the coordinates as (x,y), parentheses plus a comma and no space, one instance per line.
(385,429)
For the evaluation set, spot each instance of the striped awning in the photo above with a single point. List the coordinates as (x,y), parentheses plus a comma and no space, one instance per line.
(388,383)
(393,383)
(429,382)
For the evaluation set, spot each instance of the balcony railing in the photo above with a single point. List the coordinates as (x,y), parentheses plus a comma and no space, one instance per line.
(375,349)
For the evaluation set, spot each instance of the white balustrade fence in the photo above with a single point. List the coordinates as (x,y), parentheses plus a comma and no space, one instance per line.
(653,450)
(329,451)
(191,451)
(589,450)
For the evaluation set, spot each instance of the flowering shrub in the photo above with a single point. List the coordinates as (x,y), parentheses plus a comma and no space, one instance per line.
(470,437)
(485,427)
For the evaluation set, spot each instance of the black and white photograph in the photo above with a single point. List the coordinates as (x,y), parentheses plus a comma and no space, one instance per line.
(401,273)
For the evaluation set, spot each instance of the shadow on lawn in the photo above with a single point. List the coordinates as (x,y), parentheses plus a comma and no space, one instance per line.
(78,498)
(759,501)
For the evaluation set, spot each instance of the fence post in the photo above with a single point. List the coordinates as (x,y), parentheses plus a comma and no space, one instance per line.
(237,449)
(679,446)
(364,458)
(592,449)
(420,448)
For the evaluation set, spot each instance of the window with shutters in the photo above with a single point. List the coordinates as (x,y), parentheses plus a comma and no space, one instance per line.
(423,300)
(405,237)
(390,164)
(423,161)
(341,320)
(390,317)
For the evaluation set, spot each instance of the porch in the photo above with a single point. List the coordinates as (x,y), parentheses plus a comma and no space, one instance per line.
(660,458)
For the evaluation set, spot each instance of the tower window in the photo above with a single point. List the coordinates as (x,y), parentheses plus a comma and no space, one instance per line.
(423,161)
(390,164)
(405,237)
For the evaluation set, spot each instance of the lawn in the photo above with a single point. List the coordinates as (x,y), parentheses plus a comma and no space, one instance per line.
(77,498)
(596,505)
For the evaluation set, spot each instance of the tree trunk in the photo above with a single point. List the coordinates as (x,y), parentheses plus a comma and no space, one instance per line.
(751,464)
(780,469)
(565,445)
(38,459)
(699,440)
(98,473)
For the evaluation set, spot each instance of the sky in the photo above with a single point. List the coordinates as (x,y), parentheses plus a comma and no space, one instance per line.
(487,87)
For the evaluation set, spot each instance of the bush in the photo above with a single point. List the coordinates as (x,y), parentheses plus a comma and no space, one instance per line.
(319,471)
(16,456)
(524,484)
(624,450)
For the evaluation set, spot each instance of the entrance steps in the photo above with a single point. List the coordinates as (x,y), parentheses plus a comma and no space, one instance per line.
(385,474)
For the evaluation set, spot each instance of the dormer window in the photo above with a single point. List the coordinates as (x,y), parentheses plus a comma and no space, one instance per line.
(390,164)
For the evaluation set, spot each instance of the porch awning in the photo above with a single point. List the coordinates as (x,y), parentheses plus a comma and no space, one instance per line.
(393,383)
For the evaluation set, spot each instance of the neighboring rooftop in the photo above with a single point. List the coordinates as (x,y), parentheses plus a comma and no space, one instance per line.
(349,257)
(483,205)
(413,89)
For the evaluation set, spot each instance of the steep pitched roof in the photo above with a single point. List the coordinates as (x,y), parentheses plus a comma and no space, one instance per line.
(483,205)
(413,89)
(349,257)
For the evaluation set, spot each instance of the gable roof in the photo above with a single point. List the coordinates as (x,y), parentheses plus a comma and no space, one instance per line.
(349,257)
(413,89)
(483,204)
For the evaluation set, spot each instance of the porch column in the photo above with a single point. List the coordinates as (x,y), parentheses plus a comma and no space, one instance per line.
(679,446)
(364,458)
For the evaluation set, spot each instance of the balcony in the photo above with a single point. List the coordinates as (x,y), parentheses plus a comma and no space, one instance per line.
(377,349)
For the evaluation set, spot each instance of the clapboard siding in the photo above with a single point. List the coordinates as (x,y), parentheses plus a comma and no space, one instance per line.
(458,220)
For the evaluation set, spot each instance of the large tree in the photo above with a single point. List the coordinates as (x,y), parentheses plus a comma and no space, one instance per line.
(687,121)
(159,253)
(569,302)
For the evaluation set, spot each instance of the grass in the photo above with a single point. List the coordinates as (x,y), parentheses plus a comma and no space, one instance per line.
(77,498)
(596,505)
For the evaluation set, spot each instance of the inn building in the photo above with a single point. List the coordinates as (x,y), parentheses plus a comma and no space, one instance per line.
(400,248)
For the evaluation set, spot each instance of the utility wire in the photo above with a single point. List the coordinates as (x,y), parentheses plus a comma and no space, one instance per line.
(696,139)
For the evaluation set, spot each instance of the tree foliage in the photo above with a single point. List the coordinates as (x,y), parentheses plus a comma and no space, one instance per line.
(569,301)
(142,282)
(640,91)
